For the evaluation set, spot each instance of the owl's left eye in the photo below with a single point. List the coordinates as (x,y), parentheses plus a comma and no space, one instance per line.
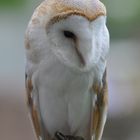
(69,34)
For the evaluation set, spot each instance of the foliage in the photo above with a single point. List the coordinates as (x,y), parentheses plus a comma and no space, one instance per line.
(123,18)
(11,4)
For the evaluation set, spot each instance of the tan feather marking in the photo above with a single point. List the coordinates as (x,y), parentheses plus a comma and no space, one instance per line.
(96,88)
(96,116)
(27,45)
(62,16)
(35,21)
(36,122)
(59,9)
(90,7)
(101,90)
(29,91)
(96,113)
(90,14)
(42,9)
(100,106)
(104,90)
(33,111)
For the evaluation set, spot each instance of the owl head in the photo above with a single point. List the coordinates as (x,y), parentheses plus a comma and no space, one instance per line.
(73,31)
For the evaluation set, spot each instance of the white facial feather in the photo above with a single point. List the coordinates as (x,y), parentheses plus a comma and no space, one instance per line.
(92,42)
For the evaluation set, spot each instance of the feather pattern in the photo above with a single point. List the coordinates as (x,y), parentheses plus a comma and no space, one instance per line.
(100,108)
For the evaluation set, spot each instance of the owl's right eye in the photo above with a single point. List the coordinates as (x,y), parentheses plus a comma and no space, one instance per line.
(69,34)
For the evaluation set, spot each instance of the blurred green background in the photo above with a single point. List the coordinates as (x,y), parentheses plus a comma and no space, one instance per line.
(123,69)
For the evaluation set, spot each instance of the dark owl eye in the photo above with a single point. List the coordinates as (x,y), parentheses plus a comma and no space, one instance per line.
(69,34)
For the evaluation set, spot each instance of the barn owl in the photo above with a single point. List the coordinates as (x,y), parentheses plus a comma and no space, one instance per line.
(67,43)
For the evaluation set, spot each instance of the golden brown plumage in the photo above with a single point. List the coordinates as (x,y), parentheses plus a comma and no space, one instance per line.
(101,106)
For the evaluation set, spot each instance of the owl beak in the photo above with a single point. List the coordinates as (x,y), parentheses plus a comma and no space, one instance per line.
(84,50)
(80,56)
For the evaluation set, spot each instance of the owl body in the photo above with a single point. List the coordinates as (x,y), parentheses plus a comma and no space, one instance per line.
(66,49)
(65,104)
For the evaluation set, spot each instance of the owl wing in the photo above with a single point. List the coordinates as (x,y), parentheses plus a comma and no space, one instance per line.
(33,108)
(100,110)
